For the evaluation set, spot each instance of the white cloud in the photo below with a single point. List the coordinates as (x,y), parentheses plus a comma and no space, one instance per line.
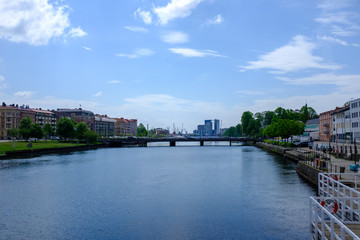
(249,92)
(98,94)
(188,52)
(2,82)
(356,45)
(87,48)
(345,83)
(136,29)
(138,53)
(175,37)
(77,32)
(24,94)
(32,21)
(114,82)
(145,16)
(175,9)
(295,56)
(341,23)
(335,4)
(214,21)
(333,40)
(343,31)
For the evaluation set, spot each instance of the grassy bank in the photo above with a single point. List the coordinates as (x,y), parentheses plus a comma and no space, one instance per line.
(22,145)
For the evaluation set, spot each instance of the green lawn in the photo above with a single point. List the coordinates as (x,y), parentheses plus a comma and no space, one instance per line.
(22,145)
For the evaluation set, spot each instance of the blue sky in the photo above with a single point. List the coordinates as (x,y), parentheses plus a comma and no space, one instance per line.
(180,62)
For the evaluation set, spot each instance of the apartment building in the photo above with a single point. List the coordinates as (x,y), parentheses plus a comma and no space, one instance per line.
(78,114)
(325,126)
(43,117)
(341,124)
(9,118)
(125,127)
(104,126)
(355,119)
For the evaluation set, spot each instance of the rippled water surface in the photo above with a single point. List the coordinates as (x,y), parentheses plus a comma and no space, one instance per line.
(211,192)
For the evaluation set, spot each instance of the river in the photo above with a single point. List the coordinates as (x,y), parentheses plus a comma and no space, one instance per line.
(185,192)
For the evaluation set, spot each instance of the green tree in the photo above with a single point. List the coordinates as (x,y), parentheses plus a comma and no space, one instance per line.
(80,130)
(231,132)
(245,121)
(269,115)
(91,136)
(24,127)
(307,113)
(238,130)
(48,130)
(141,131)
(281,113)
(13,132)
(65,128)
(36,131)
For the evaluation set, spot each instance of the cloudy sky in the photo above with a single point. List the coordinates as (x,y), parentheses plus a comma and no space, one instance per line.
(180,62)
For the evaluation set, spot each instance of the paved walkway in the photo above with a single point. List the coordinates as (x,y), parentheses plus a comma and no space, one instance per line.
(338,162)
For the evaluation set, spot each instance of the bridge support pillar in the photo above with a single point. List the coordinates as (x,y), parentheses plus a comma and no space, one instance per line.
(172,143)
(230,143)
(201,143)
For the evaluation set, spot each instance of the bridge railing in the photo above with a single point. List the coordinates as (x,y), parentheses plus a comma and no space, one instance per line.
(325,222)
(333,185)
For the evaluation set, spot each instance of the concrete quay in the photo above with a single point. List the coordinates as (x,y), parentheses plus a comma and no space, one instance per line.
(311,162)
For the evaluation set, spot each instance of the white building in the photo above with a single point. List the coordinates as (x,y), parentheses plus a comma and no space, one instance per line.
(355,119)
(341,125)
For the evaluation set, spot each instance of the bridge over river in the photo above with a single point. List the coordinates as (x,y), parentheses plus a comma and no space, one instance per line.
(143,141)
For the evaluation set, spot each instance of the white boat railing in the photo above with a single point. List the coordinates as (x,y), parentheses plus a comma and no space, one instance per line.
(324,220)
(333,185)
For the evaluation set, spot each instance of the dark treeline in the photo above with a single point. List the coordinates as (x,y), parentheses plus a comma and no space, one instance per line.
(279,123)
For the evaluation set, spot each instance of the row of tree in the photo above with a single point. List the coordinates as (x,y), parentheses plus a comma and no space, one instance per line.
(279,123)
(65,128)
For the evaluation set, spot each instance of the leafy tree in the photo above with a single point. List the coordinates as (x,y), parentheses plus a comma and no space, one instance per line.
(36,131)
(80,130)
(230,132)
(65,128)
(24,127)
(91,136)
(245,121)
(307,113)
(269,115)
(13,132)
(141,131)
(238,130)
(48,130)
(281,113)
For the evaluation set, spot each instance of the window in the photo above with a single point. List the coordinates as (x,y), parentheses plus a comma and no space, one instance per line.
(355,124)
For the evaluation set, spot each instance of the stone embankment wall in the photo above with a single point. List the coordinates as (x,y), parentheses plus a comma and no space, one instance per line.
(307,172)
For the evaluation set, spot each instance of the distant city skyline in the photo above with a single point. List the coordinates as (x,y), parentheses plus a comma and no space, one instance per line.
(173,62)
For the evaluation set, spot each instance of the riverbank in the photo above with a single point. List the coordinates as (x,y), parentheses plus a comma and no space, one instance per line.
(38,148)
(310,162)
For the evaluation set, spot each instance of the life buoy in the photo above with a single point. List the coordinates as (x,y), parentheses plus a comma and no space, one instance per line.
(336,177)
(322,203)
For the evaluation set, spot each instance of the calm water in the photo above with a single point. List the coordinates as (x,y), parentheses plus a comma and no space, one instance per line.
(211,192)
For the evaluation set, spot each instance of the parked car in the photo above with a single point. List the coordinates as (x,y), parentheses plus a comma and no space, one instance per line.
(55,138)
